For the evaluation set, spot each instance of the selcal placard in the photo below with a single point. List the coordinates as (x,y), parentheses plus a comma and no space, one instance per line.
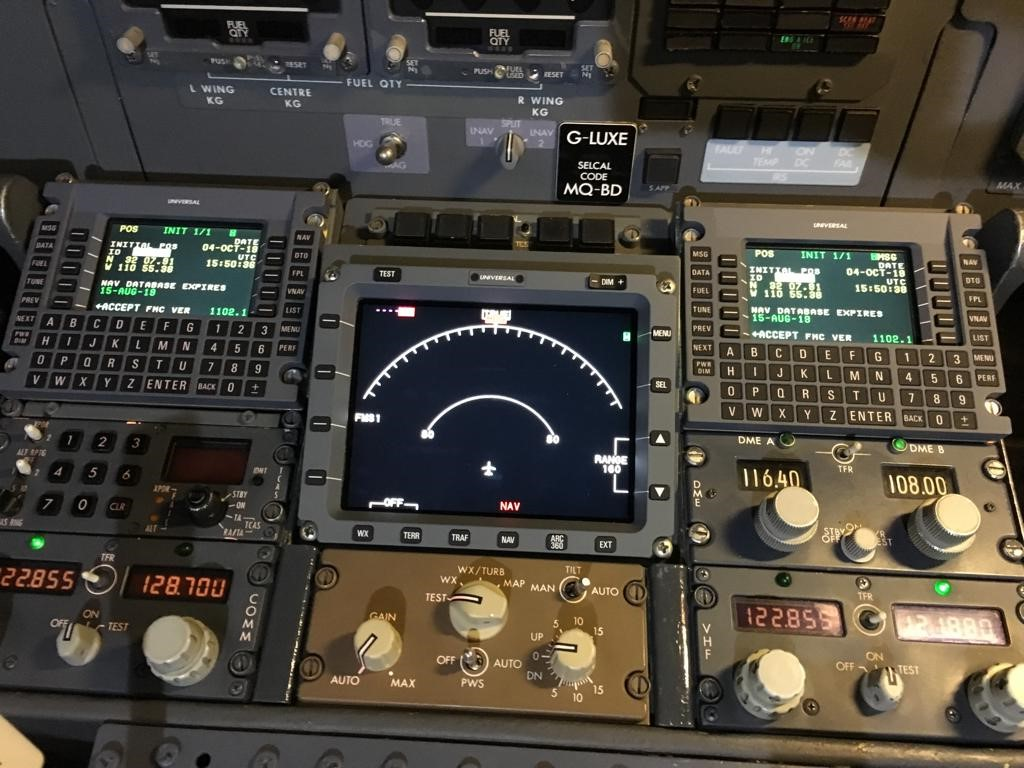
(595,162)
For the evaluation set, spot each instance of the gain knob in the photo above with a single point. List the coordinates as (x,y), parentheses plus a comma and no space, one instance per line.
(573,656)
(180,650)
(769,683)
(377,644)
(511,149)
(859,545)
(787,519)
(78,644)
(203,506)
(882,689)
(478,610)
(944,527)
(996,696)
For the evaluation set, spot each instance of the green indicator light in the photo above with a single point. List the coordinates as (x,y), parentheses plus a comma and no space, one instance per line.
(783,579)
(787,439)
(943,588)
(36,543)
(627,336)
(898,445)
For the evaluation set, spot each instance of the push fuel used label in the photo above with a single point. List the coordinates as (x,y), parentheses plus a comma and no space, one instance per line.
(595,162)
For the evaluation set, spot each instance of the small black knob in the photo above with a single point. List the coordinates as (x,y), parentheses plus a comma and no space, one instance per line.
(204,507)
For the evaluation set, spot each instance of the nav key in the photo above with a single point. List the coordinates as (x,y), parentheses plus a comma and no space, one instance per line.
(607,282)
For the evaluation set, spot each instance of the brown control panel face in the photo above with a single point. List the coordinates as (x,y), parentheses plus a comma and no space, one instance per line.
(479,633)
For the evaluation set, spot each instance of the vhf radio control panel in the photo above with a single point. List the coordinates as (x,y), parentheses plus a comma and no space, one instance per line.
(183,296)
(853,536)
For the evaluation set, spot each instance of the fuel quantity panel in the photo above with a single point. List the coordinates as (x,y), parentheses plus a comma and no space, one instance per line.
(480,104)
(159,295)
(132,617)
(840,321)
(485,400)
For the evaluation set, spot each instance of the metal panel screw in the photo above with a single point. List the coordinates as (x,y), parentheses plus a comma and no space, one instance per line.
(331,274)
(637,685)
(693,83)
(242,663)
(863,582)
(10,662)
(696,456)
(395,760)
(989,507)
(51,209)
(315,220)
(953,714)
(11,364)
(630,236)
(311,668)
(65,178)
(705,597)
(377,226)
(272,511)
(823,87)
(663,548)
(690,235)
(994,469)
(308,532)
(691,201)
(695,395)
(667,286)
(326,577)
(331,760)
(265,758)
(635,593)
(993,407)
(166,754)
(1020,589)
(699,534)
(969,242)
(107,758)
(702,574)
(709,714)
(963,208)
(1012,550)
(710,689)
(237,688)
(322,187)
(260,574)
(812,707)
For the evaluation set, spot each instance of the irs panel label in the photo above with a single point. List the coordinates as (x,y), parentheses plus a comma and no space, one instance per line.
(829,163)
(595,162)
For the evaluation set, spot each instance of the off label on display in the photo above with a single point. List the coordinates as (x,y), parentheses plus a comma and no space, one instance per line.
(595,162)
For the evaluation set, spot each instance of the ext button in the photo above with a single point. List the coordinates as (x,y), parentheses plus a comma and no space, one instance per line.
(607,282)
(605,545)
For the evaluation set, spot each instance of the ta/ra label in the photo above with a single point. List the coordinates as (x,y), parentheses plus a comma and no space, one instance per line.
(177,268)
(813,293)
(595,162)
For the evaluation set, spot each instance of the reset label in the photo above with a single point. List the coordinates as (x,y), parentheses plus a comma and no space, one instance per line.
(595,162)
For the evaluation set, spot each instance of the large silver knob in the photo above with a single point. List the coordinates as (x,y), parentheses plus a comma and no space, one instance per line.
(478,610)
(882,689)
(573,656)
(180,650)
(996,696)
(945,527)
(769,683)
(377,644)
(78,644)
(787,519)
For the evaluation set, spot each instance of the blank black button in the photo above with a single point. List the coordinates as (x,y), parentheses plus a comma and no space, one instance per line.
(804,22)
(661,167)
(737,41)
(734,122)
(693,19)
(554,232)
(746,20)
(453,229)
(862,5)
(773,123)
(848,44)
(597,234)
(814,125)
(411,227)
(495,231)
(857,126)
(675,43)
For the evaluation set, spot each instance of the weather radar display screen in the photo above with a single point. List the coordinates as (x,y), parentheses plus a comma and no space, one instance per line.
(177,268)
(813,293)
(515,411)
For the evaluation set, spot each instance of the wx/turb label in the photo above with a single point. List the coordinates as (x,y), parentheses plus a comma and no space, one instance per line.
(595,162)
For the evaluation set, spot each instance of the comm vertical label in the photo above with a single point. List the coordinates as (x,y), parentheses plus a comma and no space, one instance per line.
(595,162)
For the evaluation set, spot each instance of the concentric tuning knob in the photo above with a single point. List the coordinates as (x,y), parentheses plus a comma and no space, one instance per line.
(996,696)
(769,683)
(787,519)
(180,650)
(945,527)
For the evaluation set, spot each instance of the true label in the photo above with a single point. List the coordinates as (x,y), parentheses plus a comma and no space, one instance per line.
(595,162)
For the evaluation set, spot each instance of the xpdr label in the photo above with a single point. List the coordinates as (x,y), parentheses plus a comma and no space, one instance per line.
(595,162)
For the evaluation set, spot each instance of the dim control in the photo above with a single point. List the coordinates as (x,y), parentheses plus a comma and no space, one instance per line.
(180,650)
(882,689)
(478,610)
(377,644)
(395,53)
(859,545)
(391,148)
(131,41)
(604,57)
(573,656)
(997,697)
(78,644)
(787,519)
(335,47)
(769,683)
(511,149)
(945,527)
(204,507)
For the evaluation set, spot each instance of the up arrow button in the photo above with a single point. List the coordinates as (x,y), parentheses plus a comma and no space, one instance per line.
(661,437)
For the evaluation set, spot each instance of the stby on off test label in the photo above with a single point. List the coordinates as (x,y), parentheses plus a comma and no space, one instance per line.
(595,162)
